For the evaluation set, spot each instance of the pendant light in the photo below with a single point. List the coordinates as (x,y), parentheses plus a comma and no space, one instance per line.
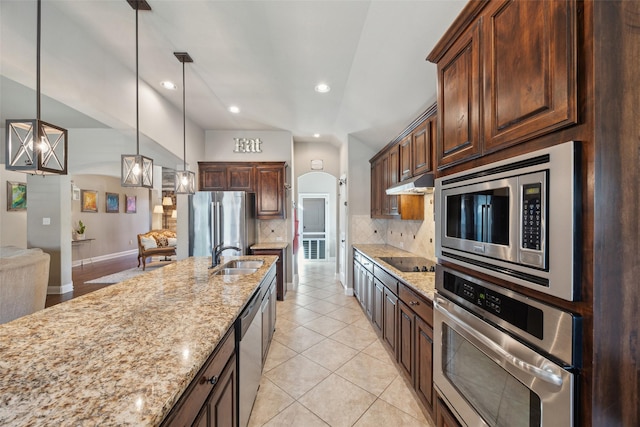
(34,146)
(137,170)
(185,180)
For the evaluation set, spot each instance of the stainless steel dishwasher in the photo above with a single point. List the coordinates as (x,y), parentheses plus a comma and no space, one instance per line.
(250,357)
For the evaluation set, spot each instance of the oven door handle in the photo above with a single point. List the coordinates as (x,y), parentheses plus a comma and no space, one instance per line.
(542,374)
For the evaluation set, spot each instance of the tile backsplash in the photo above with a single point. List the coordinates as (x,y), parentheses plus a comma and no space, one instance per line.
(413,236)
(273,230)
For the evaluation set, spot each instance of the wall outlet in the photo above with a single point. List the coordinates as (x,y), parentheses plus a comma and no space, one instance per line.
(130,242)
(46,221)
(278,239)
(401,244)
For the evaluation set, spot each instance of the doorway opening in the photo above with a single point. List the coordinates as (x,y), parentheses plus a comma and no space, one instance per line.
(317,215)
(314,226)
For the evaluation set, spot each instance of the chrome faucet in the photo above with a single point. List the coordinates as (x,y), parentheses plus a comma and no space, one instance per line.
(217,252)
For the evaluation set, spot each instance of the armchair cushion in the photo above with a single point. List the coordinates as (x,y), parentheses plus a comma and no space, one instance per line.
(155,242)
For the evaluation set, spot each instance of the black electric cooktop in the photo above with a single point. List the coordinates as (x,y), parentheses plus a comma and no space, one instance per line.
(410,264)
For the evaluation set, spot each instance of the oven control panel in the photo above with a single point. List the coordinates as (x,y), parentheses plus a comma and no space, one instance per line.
(532,216)
(515,312)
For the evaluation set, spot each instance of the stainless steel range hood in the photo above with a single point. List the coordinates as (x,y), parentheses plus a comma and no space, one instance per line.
(417,185)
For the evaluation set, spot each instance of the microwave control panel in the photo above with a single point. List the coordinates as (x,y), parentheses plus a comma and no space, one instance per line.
(532,216)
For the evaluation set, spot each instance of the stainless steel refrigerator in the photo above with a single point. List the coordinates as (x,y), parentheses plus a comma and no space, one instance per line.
(221,217)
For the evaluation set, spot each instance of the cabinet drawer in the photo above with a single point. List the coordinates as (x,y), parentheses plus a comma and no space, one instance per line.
(197,392)
(389,280)
(417,303)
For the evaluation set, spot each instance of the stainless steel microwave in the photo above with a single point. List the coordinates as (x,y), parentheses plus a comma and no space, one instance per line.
(516,219)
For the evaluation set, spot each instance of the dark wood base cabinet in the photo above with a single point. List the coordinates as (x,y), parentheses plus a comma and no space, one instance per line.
(210,399)
(403,320)
(444,417)
(281,269)
(220,408)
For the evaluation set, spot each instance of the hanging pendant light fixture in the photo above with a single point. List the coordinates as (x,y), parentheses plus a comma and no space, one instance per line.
(34,146)
(137,170)
(185,180)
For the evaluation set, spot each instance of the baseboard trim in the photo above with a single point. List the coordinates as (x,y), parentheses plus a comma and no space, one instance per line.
(59,290)
(79,262)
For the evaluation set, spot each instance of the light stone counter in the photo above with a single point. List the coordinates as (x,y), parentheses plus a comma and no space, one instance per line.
(121,355)
(270,245)
(422,282)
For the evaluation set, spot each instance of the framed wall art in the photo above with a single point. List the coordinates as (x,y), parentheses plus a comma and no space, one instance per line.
(130,204)
(16,196)
(88,201)
(112,203)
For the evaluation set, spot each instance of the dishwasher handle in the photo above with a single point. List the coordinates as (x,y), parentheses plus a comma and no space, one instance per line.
(247,316)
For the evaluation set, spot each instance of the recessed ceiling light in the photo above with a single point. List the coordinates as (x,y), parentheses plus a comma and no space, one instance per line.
(322,88)
(234,109)
(316,135)
(168,85)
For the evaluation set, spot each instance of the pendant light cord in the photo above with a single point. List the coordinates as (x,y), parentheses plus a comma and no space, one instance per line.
(137,84)
(184,123)
(38,63)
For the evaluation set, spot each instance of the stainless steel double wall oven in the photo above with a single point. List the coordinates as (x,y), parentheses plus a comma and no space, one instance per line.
(502,358)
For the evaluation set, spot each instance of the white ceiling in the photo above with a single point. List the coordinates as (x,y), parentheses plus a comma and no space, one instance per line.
(264,56)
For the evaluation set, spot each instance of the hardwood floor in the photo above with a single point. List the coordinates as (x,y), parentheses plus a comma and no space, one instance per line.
(91,271)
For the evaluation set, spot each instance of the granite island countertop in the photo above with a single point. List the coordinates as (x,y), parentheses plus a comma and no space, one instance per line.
(422,282)
(121,355)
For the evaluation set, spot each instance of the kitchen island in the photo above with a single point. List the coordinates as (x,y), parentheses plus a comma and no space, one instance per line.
(122,355)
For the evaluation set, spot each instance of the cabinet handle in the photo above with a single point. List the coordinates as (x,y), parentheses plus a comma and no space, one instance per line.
(414,303)
(213,380)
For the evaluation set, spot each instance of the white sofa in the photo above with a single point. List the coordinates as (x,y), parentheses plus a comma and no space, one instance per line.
(24,276)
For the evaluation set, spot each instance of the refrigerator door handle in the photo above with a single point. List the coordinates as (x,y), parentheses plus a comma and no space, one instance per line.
(215,224)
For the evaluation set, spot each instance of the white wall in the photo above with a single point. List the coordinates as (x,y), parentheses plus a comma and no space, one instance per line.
(304,152)
(13,225)
(113,232)
(277,146)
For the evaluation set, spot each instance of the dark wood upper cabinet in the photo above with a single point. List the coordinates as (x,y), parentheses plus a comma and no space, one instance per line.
(270,191)
(459,96)
(405,147)
(212,177)
(530,64)
(240,178)
(507,73)
(266,179)
(392,169)
(423,138)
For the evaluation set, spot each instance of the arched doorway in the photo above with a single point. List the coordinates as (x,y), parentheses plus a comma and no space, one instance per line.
(317,216)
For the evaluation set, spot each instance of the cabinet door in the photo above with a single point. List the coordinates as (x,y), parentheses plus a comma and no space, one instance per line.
(270,192)
(212,178)
(406,168)
(356,280)
(392,168)
(377,184)
(390,319)
(444,417)
(240,178)
(422,146)
(424,363)
(406,339)
(530,66)
(265,312)
(368,293)
(378,304)
(459,85)
(220,408)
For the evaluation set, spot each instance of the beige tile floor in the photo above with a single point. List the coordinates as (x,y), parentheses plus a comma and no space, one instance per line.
(326,365)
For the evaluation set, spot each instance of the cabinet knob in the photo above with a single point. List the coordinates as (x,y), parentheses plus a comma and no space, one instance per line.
(213,380)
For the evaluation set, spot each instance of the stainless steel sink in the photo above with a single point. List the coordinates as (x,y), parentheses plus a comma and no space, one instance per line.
(244,264)
(234,271)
